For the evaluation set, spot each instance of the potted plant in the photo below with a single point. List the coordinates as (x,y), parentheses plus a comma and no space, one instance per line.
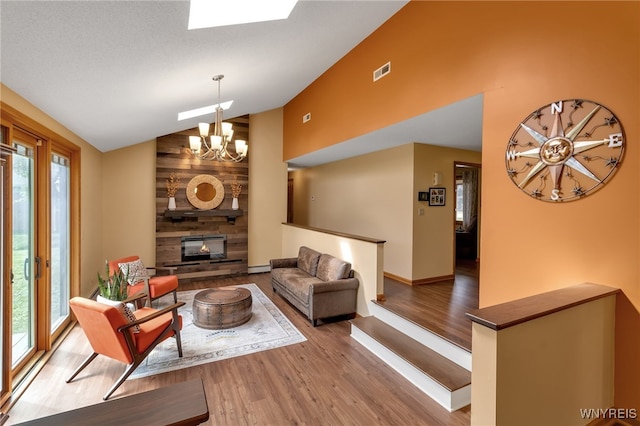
(114,286)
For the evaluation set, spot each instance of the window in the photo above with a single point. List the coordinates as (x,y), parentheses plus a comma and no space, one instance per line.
(459,200)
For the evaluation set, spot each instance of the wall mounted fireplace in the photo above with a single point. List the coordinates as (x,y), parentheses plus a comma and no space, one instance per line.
(204,247)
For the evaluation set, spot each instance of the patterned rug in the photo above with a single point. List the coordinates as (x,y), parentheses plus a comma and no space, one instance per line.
(267,329)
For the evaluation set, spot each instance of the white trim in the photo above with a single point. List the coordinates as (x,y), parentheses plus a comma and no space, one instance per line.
(431,340)
(258,269)
(450,400)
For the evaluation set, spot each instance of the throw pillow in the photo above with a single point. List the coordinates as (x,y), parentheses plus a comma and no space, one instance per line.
(124,310)
(331,268)
(128,314)
(137,271)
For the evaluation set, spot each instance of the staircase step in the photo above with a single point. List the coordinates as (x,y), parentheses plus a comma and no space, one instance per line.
(435,342)
(440,378)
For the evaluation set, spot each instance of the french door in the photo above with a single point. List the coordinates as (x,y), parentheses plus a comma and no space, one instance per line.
(38,254)
(23,250)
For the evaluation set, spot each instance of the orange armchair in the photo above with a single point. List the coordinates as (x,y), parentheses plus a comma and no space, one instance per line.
(111,334)
(155,286)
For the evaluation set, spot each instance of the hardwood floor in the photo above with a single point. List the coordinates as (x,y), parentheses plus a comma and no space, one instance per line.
(441,306)
(328,380)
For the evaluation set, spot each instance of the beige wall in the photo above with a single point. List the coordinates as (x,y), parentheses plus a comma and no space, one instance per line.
(376,195)
(370,195)
(90,189)
(268,183)
(434,232)
(129,202)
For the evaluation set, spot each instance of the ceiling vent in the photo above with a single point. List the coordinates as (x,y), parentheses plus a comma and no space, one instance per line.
(382,71)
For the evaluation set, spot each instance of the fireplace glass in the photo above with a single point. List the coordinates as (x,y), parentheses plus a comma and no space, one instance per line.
(204,247)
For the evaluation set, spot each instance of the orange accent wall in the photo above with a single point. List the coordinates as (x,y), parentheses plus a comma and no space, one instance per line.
(520,56)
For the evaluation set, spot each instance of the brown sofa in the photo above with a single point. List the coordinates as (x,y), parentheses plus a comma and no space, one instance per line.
(319,285)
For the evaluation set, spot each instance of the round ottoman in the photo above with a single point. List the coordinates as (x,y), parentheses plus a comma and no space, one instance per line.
(224,307)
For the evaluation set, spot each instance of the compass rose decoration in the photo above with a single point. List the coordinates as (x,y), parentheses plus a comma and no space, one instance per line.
(565,150)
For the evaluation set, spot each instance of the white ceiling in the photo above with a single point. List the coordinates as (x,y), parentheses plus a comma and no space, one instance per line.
(117,73)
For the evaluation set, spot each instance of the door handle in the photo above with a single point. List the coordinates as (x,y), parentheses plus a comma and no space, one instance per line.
(38,263)
(26,269)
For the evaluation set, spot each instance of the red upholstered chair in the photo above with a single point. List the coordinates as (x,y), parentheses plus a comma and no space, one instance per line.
(112,334)
(155,285)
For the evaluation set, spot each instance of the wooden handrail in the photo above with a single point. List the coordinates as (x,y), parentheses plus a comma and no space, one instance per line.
(339,234)
(508,314)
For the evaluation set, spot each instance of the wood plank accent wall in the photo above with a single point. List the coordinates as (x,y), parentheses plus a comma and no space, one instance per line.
(173,155)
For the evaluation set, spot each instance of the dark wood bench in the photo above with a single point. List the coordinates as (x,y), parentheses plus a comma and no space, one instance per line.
(180,404)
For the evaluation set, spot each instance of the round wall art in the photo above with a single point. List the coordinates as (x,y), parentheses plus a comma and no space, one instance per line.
(205,192)
(565,150)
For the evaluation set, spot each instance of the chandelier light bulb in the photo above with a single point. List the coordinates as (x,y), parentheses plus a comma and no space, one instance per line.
(204,129)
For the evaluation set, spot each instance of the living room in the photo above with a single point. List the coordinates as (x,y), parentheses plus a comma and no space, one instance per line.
(497,57)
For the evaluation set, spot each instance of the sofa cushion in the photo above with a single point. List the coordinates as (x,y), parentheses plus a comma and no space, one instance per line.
(331,268)
(308,260)
(297,282)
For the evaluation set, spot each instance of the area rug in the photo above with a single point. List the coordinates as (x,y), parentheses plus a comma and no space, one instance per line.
(267,329)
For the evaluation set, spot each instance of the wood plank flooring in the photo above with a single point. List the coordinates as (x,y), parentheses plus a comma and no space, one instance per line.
(328,380)
(440,306)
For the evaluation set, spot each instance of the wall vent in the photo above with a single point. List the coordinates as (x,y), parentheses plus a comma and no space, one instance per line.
(306,117)
(382,71)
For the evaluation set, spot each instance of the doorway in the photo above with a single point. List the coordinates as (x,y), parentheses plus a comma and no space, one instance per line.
(467,212)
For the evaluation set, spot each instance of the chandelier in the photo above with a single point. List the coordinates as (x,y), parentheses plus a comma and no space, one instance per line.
(216,146)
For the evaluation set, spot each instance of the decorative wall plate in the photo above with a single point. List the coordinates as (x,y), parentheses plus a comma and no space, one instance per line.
(205,192)
(565,150)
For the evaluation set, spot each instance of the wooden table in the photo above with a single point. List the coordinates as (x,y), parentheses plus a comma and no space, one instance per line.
(184,403)
(223,307)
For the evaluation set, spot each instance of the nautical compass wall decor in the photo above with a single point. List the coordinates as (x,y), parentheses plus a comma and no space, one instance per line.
(565,150)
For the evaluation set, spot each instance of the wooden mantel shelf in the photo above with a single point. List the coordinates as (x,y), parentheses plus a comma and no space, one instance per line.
(179,215)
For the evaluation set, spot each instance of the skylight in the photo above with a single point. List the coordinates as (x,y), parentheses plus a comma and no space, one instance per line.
(218,13)
(202,111)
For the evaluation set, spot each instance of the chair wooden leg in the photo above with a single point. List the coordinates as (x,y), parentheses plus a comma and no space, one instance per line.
(176,333)
(178,343)
(175,296)
(82,366)
(122,378)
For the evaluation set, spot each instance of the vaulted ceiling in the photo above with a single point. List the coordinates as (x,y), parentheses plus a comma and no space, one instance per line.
(117,73)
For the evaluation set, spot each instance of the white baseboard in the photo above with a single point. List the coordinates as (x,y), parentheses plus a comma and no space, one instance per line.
(258,269)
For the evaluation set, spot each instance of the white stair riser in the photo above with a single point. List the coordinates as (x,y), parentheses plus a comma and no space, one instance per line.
(450,400)
(431,340)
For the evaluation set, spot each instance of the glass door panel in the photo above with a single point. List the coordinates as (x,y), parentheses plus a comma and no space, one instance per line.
(60,240)
(23,245)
